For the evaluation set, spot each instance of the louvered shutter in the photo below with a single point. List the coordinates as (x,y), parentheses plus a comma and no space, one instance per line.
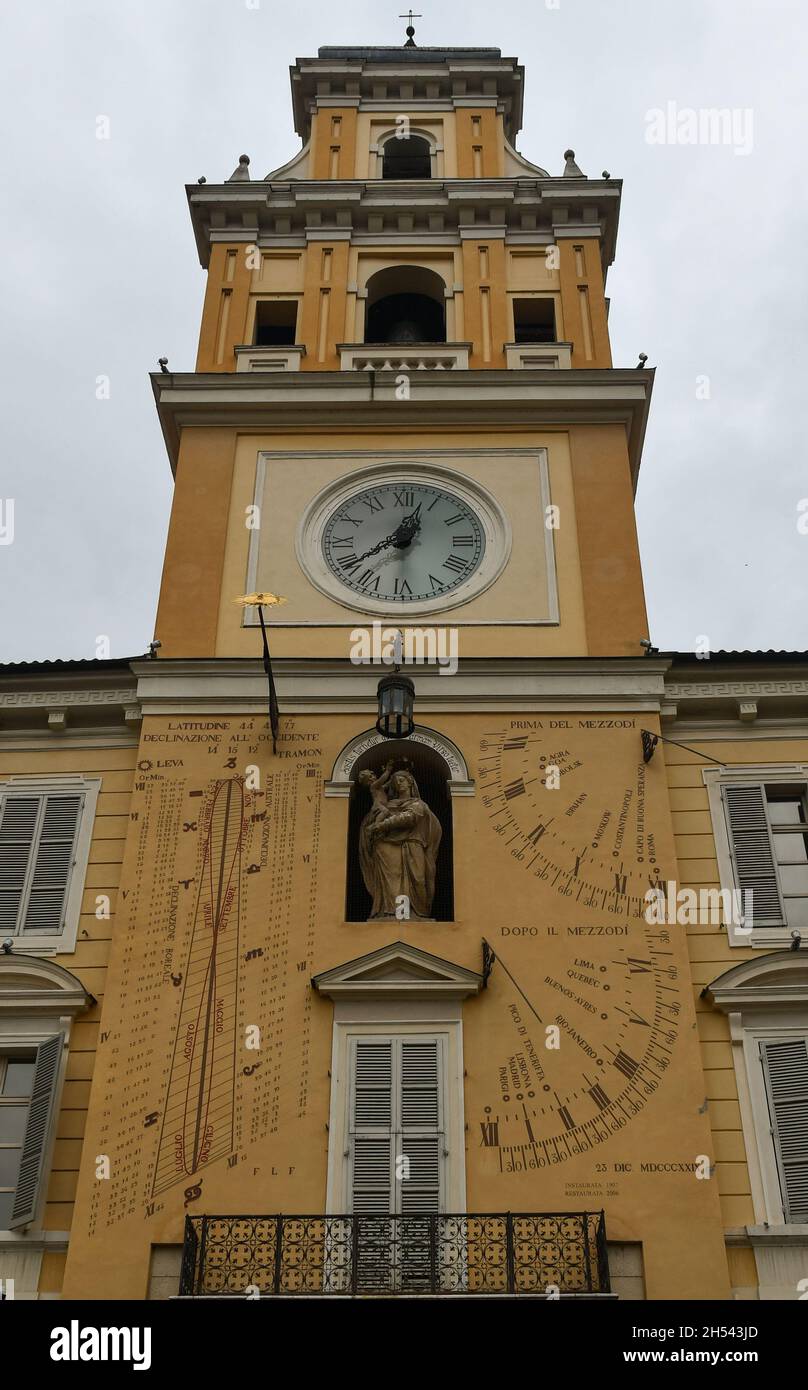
(37,850)
(421,1125)
(753,852)
(43,1097)
(396,1114)
(372,1125)
(785,1068)
(19,818)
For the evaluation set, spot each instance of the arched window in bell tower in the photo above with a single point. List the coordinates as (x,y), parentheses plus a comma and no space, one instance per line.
(407,785)
(406,304)
(407,159)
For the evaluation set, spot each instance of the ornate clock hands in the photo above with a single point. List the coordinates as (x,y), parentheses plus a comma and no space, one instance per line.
(401,537)
(409,528)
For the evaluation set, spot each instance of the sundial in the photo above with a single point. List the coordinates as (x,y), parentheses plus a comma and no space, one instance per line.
(583,961)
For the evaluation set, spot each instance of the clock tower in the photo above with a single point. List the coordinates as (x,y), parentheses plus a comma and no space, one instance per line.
(353,974)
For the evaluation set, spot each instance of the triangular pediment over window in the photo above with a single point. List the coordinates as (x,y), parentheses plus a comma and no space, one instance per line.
(398,971)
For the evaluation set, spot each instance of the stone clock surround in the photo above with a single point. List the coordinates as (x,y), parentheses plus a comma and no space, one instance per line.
(441,468)
(491,516)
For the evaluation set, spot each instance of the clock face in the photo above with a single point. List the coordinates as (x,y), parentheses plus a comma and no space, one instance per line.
(403,542)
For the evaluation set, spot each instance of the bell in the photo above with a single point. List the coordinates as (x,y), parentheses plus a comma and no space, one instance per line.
(406,331)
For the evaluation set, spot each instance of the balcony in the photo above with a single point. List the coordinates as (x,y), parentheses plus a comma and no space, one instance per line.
(404,357)
(543,1255)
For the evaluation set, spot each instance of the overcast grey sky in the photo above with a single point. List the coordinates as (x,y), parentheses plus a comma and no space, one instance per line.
(99,276)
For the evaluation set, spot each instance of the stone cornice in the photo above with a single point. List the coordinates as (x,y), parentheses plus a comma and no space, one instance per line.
(377,72)
(314,686)
(262,210)
(84,705)
(523,397)
(778,693)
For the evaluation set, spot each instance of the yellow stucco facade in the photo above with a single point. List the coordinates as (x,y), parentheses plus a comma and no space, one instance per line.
(221,965)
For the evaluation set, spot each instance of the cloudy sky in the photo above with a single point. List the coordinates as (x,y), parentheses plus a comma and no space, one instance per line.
(99,276)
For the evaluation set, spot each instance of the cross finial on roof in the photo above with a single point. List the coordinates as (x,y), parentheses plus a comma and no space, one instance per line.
(410,28)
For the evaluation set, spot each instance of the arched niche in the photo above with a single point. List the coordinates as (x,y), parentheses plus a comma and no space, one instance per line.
(346,764)
(407,157)
(405,304)
(440,771)
(428,143)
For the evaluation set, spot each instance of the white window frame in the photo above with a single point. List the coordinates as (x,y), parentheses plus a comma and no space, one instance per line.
(771,1191)
(18,1037)
(765,1000)
(433,139)
(760,938)
(38,999)
(63,942)
(449,1035)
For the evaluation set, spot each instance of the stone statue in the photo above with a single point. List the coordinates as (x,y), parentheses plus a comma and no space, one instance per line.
(398,844)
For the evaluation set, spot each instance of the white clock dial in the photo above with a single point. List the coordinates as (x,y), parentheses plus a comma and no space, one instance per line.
(403,542)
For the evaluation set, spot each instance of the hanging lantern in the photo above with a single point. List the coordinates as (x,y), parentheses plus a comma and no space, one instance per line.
(396,696)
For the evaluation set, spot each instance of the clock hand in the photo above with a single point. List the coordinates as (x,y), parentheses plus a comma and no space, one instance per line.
(409,528)
(401,537)
(389,540)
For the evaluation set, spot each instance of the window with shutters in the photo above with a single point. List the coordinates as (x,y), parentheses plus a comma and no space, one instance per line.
(765,1000)
(762,842)
(396,1154)
(44,845)
(785,1071)
(396,1127)
(28,1085)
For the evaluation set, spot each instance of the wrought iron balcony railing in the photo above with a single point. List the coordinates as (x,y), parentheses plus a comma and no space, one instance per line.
(509,1253)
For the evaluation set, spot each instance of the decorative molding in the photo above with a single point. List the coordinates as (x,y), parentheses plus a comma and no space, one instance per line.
(512,686)
(542,355)
(21,740)
(341,778)
(398,971)
(426,467)
(735,690)
(485,397)
(779,978)
(404,358)
(31,985)
(58,699)
(269,359)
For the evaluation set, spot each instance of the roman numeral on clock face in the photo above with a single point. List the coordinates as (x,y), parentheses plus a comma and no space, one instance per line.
(405,498)
(454,563)
(462,540)
(374,504)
